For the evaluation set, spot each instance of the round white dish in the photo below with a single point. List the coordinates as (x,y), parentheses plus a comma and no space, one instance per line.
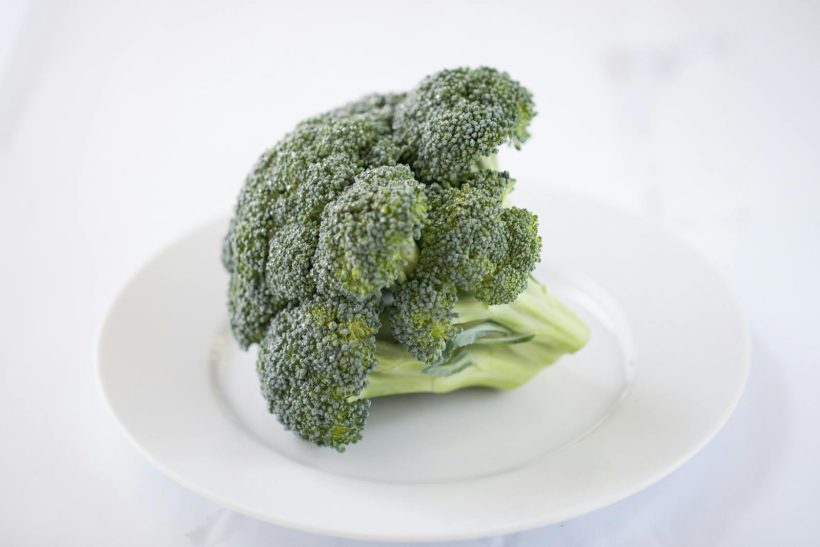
(666,363)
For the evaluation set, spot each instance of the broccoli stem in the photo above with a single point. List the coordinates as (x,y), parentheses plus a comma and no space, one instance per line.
(507,364)
(410,257)
(488,162)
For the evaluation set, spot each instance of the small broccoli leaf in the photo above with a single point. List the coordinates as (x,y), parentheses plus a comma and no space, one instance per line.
(459,360)
(484,331)
(511,339)
(488,332)
(476,330)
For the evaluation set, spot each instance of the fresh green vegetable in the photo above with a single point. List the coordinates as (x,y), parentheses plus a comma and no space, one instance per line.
(373,252)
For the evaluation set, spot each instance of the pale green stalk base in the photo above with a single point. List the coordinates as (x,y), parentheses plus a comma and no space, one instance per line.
(556,331)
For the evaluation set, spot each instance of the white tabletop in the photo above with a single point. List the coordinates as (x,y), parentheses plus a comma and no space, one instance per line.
(122,126)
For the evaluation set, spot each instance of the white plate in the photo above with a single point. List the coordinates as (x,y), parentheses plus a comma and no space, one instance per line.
(665,366)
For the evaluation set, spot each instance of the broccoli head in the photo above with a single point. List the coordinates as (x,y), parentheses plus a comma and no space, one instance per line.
(373,252)
(313,360)
(367,236)
(456,117)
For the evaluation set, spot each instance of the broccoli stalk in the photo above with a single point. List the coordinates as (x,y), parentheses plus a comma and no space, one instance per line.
(499,347)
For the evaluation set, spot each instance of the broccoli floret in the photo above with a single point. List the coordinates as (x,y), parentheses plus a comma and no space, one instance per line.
(465,238)
(313,361)
(372,252)
(244,253)
(368,234)
(290,258)
(421,317)
(492,182)
(456,117)
(291,185)
(523,246)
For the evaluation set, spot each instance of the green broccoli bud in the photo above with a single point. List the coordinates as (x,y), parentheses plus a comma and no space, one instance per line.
(290,185)
(368,234)
(290,257)
(456,117)
(316,356)
(492,182)
(421,317)
(244,253)
(464,239)
(523,252)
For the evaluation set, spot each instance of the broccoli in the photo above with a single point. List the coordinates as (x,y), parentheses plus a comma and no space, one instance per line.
(373,252)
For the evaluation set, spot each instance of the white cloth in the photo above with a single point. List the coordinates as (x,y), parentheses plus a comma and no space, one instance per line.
(124,125)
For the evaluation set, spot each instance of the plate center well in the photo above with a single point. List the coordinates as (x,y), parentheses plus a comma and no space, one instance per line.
(467,434)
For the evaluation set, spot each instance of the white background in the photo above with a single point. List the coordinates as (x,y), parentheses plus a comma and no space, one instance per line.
(124,125)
